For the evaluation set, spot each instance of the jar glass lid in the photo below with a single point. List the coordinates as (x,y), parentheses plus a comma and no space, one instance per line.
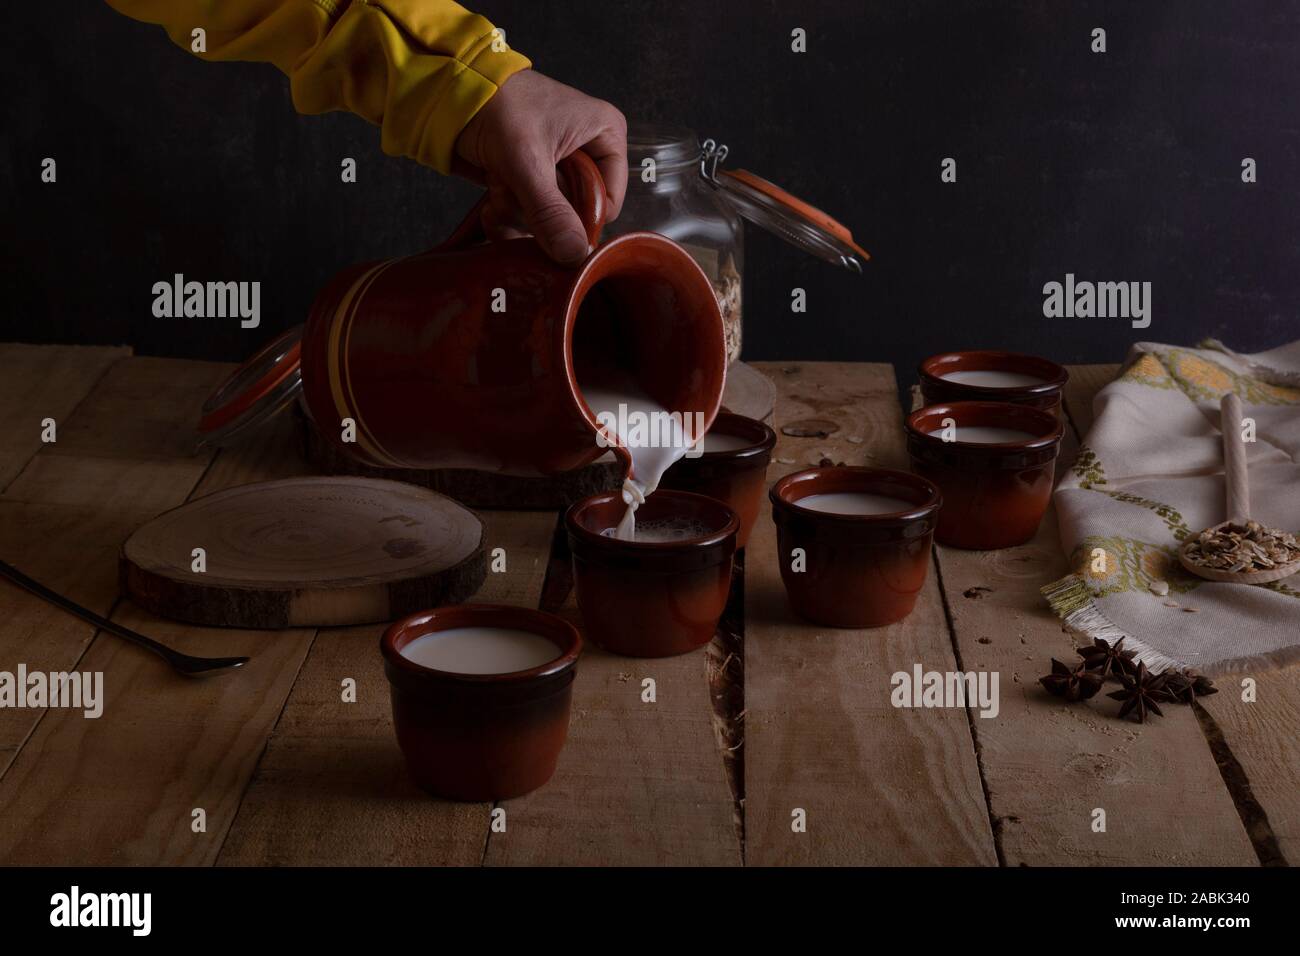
(767,205)
(675,149)
(255,391)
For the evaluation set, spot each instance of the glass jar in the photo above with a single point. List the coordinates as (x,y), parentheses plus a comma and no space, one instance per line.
(677,188)
(667,194)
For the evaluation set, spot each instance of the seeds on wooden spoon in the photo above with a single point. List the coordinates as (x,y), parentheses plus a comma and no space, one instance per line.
(1248,547)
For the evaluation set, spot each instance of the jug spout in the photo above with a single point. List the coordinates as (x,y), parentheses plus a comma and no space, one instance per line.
(643,321)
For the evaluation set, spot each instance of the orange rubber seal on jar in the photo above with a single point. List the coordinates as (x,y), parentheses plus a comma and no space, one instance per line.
(245,400)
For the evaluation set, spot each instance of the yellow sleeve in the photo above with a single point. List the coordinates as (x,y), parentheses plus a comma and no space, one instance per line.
(419,69)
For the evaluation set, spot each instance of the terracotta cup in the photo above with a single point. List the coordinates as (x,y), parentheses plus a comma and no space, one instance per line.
(1046,394)
(644,599)
(994,495)
(473,354)
(853,570)
(735,477)
(481,737)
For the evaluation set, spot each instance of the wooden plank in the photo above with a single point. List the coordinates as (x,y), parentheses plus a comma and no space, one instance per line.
(122,788)
(272,451)
(141,488)
(70,548)
(1260,736)
(74,551)
(1048,765)
(63,518)
(39,382)
(331,787)
(145,409)
(879,785)
(638,784)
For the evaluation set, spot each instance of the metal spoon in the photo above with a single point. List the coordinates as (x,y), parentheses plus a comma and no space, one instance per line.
(1237,481)
(181,663)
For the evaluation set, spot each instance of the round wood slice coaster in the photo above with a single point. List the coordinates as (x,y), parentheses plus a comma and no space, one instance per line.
(749,392)
(306,552)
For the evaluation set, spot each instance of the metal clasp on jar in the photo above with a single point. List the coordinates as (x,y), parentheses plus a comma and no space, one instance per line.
(712,154)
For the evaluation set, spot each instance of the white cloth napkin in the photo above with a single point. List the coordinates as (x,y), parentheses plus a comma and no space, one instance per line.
(1148,475)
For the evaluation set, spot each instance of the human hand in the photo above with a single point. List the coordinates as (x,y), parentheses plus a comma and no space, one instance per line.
(512,146)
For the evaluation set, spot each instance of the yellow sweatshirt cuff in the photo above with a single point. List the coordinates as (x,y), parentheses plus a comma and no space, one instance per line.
(452,111)
(432,107)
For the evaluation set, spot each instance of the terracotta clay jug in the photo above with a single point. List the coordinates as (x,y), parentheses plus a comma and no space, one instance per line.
(471,355)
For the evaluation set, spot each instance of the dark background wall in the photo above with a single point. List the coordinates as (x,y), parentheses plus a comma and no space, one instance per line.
(1122,166)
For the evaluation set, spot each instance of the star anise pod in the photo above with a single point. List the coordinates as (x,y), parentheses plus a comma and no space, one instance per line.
(1184,687)
(1078,683)
(1178,689)
(1141,693)
(1107,658)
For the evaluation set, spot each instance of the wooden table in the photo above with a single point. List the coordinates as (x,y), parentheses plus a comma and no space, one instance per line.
(777,717)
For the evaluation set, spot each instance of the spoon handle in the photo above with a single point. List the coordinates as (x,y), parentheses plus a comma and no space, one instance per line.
(1235,475)
(182,663)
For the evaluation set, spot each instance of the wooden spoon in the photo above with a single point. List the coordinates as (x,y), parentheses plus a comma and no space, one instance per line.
(1237,482)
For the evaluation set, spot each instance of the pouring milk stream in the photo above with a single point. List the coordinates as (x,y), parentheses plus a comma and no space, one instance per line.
(655,439)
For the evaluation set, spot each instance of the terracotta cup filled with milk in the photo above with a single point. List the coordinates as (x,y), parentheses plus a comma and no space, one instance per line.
(853,544)
(984,375)
(731,468)
(994,463)
(660,592)
(481,697)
